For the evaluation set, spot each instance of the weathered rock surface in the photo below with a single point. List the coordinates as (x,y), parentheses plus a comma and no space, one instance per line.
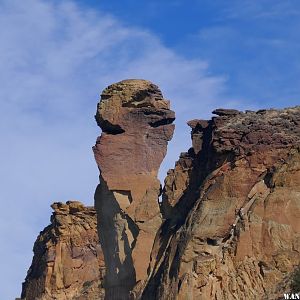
(68,261)
(232,207)
(228,226)
(136,123)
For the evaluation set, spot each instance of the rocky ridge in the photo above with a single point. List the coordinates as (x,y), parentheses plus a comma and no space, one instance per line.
(228,226)
(232,207)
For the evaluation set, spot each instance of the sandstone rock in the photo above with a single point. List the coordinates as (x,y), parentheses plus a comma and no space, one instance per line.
(136,124)
(68,261)
(232,206)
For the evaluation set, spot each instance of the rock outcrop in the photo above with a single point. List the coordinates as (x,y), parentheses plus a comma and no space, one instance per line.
(228,226)
(68,261)
(232,207)
(136,123)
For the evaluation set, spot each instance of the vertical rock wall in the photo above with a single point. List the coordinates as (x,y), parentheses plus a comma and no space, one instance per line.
(232,205)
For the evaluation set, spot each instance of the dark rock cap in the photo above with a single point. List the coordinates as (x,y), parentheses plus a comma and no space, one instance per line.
(226,112)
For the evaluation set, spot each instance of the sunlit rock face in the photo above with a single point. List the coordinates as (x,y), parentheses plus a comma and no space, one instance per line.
(136,123)
(68,260)
(232,207)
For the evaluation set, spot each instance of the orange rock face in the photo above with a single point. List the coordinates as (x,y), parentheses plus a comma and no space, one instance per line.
(68,261)
(136,123)
(232,206)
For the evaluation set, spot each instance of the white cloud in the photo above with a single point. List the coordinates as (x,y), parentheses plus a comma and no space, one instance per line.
(55,59)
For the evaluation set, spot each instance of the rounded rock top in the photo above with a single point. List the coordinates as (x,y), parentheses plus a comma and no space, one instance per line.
(123,101)
(132,91)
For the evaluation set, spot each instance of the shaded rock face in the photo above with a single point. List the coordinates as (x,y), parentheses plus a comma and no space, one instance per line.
(136,123)
(232,206)
(68,261)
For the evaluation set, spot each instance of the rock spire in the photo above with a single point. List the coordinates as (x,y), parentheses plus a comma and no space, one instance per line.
(136,123)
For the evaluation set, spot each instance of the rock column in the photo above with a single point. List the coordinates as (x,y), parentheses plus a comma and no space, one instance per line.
(136,123)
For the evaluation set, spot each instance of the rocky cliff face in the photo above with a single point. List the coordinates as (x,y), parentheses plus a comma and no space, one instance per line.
(228,226)
(136,123)
(68,260)
(232,207)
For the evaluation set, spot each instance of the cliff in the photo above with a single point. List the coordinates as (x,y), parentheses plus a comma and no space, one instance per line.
(228,226)
(232,206)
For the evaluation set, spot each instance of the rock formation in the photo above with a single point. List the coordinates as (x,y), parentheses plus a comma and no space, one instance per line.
(228,226)
(232,205)
(136,123)
(68,261)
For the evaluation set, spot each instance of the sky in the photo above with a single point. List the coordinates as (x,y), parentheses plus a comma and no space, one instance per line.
(57,56)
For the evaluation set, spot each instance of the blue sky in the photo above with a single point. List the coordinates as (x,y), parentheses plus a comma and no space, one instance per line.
(244,41)
(57,56)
